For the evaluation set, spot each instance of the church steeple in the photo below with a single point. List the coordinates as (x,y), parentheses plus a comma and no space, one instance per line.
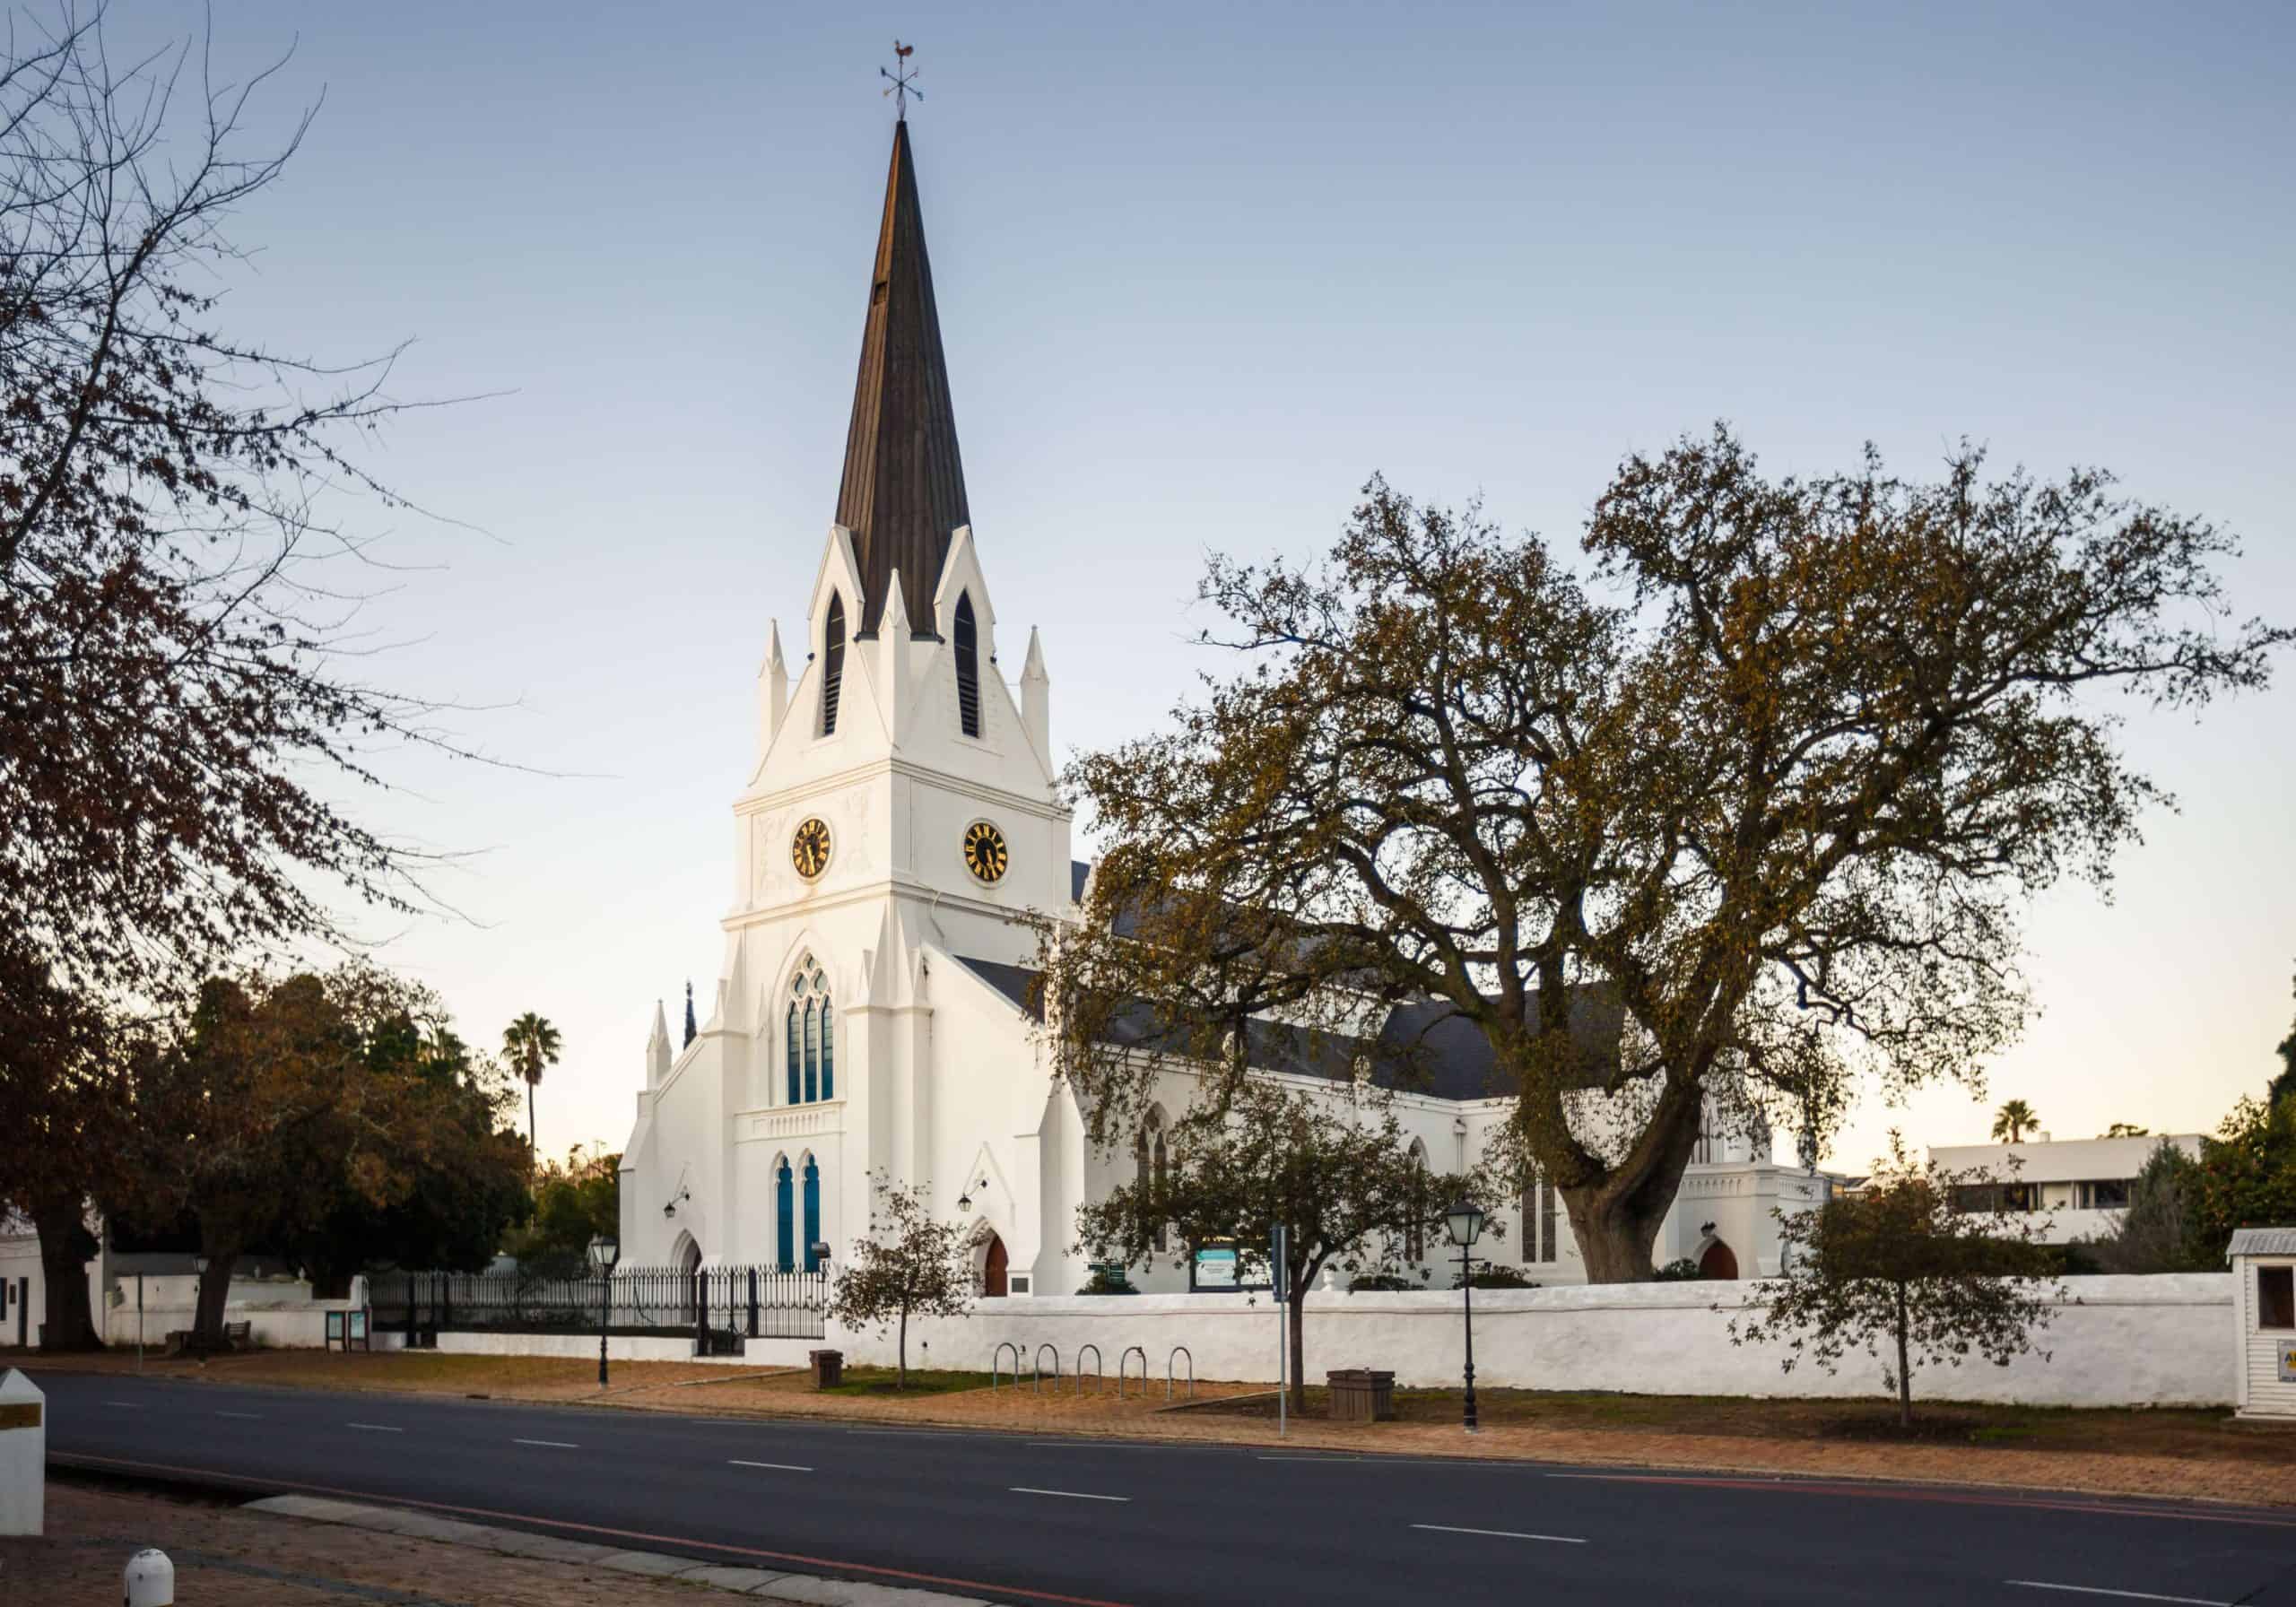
(904,488)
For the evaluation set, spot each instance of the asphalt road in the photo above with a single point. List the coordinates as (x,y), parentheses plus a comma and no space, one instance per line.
(1082,1521)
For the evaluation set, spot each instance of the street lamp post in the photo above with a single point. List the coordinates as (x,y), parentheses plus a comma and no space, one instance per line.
(603,1254)
(1463,1221)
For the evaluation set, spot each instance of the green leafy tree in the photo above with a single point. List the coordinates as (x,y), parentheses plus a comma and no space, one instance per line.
(2284,1082)
(573,1203)
(455,1142)
(909,1264)
(1900,1272)
(2161,1231)
(2126,1130)
(2014,1120)
(1774,783)
(530,1047)
(2248,1172)
(1333,1167)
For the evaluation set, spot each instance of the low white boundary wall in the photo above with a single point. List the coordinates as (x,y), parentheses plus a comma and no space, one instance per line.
(2157,1341)
(280,1313)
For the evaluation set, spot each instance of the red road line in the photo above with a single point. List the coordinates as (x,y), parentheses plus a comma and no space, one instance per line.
(1953,1497)
(72,1457)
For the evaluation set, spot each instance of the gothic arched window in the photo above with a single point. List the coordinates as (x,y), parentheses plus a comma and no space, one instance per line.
(812,1037)
(1151,1170)
(968,667)
(1415,1237)
(833,662)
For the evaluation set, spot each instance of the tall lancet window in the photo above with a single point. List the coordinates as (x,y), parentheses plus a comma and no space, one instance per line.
(968,667)
(810,1073)
(833,662)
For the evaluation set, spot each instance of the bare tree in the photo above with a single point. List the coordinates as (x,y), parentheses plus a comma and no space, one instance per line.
(180,690)
(910,1263)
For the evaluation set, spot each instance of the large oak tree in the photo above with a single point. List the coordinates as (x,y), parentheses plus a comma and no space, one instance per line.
(1772,774)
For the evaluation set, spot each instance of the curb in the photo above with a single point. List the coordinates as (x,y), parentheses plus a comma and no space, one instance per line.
(762,1584)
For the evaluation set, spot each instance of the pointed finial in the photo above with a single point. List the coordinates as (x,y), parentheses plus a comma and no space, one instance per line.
(903,78)
(689,1013)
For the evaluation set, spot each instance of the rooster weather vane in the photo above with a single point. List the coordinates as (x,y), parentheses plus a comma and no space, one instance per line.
(903,78)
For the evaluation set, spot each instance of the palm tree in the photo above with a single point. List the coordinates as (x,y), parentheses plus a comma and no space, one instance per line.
(2010,1122)
(529,1044)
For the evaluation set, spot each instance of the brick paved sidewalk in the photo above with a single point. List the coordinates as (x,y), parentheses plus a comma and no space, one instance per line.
(226,1555)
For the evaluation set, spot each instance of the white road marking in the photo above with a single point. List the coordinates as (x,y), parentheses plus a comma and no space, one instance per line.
(2123,1595)
(786,1467)
(1072,1494)
(251,1415)
(375,1428)
(555,1444)
(1561,1540)
(129,1406)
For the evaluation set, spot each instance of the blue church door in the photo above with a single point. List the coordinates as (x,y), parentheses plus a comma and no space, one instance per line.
(784,1220)
(813,1216)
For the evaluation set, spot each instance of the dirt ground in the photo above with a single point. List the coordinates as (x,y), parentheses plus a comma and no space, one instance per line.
(2199,1454)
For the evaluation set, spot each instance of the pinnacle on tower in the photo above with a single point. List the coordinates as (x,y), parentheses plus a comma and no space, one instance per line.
(903,492)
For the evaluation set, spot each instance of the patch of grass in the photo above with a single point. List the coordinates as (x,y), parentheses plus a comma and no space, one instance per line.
(884,1381)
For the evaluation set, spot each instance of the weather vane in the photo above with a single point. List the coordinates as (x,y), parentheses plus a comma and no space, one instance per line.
(903,78)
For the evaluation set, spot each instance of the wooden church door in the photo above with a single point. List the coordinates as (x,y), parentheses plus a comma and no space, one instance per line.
(992,1276)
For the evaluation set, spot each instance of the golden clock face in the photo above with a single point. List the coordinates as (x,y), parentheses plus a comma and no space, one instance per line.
(809,849)
(985,855)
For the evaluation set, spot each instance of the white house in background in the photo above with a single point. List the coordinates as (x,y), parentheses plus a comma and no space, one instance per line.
(901,819)
(2082,1183)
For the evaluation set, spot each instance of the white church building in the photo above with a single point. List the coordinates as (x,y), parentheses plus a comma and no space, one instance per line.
(872,1014)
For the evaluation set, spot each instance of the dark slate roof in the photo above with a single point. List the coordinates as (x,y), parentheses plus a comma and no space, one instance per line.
(903,492)
(1426,1048)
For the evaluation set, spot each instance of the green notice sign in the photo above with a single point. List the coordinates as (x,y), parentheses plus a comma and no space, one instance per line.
(1214,1267)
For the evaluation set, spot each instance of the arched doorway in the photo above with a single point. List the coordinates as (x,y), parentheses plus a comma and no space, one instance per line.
(693,1281)
(1719,1262)
(992,1267)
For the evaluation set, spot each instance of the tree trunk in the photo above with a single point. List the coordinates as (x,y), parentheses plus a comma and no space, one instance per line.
(1616,1221)
(1297,1301)
(1905,1372)
(66,1247)
(901,1351)
(534,1155)
(215,1293)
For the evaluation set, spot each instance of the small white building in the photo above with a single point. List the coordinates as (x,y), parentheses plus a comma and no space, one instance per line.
(2264,1320)
(2081,1183)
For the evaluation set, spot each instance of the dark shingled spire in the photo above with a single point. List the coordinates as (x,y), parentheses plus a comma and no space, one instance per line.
(904,488)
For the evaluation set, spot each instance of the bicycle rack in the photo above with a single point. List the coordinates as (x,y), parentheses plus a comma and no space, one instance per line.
(1036,1369)
(1132,1351)
(1176,1351)
(1099,1369)
(999,1355)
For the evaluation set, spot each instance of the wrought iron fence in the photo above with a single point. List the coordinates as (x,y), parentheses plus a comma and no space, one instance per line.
(718,1306)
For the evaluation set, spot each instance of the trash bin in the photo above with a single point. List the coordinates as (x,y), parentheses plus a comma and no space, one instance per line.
(828,1368)
(1361,1396)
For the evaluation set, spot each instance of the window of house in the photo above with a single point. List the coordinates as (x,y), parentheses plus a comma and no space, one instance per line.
(2276,1297)
(812,1052)
(2105,1194)
(832,664)
(968,668)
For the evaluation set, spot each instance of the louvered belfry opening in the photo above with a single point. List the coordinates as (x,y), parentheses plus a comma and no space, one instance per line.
(832,664)
(967,669)
(903,492)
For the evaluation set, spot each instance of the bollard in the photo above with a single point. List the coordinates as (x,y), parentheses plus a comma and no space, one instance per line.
(149,1580)
(23,1454)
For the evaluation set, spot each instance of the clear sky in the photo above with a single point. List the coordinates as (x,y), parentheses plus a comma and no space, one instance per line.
(1201,270)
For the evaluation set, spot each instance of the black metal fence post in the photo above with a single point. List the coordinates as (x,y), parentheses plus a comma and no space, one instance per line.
(752,1302)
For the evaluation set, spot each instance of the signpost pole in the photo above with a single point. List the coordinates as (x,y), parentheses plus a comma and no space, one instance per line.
(1282,1351)
(139,1324)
